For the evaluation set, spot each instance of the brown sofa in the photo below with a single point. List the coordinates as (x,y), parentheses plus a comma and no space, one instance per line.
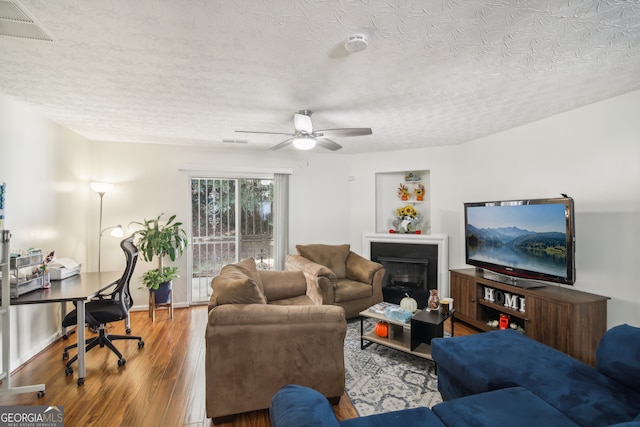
(345,278)
(267,329)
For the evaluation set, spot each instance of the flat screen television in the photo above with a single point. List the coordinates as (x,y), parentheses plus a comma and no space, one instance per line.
(528,238)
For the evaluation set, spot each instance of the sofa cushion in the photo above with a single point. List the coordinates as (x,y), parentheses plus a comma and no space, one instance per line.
(332,256)
(299,300)
(618,355)
(415,417)
(247,267)
(296,406)
(349,290)
(513,406)
(499,359)
(280,285)
(234,287)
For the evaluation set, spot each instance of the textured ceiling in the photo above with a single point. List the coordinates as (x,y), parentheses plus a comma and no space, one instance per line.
(436,72)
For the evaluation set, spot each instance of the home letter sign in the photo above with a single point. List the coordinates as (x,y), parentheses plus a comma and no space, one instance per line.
(507,299)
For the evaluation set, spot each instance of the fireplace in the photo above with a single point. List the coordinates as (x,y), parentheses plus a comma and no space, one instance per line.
(414,264)
(405,276)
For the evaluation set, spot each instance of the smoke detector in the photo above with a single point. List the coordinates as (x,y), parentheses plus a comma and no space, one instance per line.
(356,43)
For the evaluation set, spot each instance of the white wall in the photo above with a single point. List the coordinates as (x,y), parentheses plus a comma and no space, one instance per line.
(592,154)
(47,203)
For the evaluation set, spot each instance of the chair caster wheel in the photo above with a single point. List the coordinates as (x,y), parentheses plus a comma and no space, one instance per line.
(41,393)
(140,344)
(128,330)
(68,371)
(65,355)
(80,381)
(122,361)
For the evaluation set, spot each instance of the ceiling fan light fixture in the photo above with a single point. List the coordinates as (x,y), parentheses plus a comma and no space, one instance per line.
(304,142)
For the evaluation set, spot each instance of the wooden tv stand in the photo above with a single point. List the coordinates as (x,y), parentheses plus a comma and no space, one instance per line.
(568,320)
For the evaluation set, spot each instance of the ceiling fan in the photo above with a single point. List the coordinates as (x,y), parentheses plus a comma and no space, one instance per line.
(305,138)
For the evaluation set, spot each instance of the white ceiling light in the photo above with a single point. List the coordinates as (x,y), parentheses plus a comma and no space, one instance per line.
(304,142)
(356,43)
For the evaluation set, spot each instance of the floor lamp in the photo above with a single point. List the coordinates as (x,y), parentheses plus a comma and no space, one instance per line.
(101,188)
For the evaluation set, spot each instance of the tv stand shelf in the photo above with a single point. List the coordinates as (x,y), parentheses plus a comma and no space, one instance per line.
(568,320)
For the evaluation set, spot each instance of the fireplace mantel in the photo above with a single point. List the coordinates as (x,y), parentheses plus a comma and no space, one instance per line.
(441,240)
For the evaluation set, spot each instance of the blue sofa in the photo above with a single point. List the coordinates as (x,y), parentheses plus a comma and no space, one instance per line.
(503,378)
(600,396)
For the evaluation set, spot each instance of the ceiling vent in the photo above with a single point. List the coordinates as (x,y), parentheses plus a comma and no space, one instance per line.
(15,21)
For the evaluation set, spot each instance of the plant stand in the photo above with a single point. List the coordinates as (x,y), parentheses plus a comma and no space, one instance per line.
(168,304)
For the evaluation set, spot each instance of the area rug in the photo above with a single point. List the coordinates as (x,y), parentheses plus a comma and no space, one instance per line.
(381,379)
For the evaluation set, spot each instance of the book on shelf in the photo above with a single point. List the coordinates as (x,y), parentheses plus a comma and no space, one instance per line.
(382,306)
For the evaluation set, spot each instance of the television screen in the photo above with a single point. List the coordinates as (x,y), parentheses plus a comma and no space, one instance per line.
(531,238)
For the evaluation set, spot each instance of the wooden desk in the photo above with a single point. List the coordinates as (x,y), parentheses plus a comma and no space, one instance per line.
(78,289)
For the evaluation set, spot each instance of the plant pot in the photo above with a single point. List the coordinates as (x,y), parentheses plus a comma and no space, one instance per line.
(162,295)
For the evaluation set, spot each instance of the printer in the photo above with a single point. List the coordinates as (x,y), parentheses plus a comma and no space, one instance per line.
(61,268)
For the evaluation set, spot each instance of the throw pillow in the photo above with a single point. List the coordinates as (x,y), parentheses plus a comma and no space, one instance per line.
(333,257)
(248,268)
(234,287)
(295,406)
(617,355)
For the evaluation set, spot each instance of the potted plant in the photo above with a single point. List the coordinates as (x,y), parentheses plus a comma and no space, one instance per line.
(156,239)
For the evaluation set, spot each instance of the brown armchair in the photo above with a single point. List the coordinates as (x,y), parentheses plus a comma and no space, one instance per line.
(267,329)
(345,278)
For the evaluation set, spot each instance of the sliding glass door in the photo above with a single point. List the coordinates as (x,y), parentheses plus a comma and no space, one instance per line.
(231,219)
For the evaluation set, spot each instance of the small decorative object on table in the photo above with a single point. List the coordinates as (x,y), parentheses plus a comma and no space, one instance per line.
(408,303)
(434,301)
(382,329)
(446,304)
(398,314)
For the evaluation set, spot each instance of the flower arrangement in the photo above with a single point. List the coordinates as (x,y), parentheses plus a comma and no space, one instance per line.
(419,192)
(407,220)
(403,191)
(407,211)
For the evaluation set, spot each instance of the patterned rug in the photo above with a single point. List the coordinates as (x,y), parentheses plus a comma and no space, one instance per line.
(381,379)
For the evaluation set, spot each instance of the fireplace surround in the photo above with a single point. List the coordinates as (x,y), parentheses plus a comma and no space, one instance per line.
(413,264)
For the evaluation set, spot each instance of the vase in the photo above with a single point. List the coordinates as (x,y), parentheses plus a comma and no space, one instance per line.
(434,301)
(162,295)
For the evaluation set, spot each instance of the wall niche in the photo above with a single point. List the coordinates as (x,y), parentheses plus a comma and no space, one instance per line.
(389,199)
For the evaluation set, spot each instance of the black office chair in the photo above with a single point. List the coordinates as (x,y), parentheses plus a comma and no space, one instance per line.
(107,308)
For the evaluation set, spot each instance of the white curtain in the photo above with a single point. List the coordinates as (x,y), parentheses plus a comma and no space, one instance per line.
(281,217)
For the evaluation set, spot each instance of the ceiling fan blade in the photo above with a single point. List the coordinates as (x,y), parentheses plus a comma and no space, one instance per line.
(344,132)
(328,144)
(281,145)
(302,123)
(267,133)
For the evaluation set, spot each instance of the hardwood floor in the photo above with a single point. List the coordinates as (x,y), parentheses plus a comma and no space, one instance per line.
(161,384)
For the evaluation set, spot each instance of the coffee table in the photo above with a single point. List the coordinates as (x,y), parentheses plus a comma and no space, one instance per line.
(413,337)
